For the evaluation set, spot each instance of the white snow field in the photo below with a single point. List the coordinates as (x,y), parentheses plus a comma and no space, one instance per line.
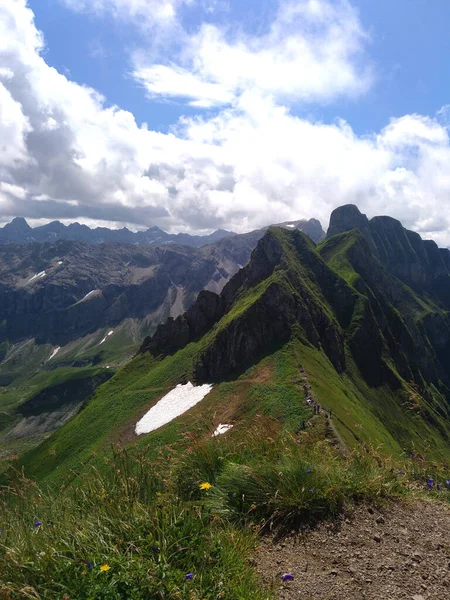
(291,225)
(54,353)
(221,429)
(87,295)
(107,335)
(37,276)
(172,405)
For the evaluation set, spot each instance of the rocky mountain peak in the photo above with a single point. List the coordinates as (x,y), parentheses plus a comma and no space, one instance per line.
(345,218)
(18,225)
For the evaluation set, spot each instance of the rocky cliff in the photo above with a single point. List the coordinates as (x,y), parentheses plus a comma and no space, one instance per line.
(418,263)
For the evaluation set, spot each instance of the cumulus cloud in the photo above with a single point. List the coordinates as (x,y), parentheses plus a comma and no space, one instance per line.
(312,52)
(67,155)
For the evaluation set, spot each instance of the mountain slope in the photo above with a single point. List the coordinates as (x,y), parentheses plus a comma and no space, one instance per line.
(334,312)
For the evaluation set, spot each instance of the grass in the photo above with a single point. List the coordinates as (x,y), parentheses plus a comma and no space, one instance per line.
(128,520)
(149,521)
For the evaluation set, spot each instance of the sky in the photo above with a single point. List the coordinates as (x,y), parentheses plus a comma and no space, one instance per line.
(194,115)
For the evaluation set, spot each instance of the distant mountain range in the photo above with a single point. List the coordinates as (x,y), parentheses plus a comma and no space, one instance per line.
(19,232)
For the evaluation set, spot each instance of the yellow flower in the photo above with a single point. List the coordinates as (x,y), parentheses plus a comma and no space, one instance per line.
(105,568)
(205,486)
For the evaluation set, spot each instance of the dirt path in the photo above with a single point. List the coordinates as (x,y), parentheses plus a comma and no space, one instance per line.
(400,552)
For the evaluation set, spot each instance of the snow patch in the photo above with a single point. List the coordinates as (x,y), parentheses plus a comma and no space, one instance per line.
(107,335)
(60,262)
(54,353)
(37,276)
(87,295)
(172,405)
(240,266)
(222,428)
(291,225)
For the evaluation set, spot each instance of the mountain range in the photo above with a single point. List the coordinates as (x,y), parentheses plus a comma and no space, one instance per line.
(75,308)
(19,232)
(364,313)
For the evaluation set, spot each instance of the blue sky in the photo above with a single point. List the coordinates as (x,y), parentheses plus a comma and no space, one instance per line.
(198,114)
(409,47)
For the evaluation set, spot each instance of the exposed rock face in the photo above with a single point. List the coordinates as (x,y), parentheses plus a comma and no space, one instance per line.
(282,304)
(418,263)
(59,292)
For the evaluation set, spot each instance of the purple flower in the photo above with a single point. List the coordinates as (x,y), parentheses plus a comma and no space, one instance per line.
(155,549)
(89,564)
(37,523)
(308,471)
(430,486)
(447,481)
(438,487)
(400,472)
(190,576)
(287,577)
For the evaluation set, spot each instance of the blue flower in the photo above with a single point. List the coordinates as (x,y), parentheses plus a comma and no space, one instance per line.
(37,523)
(447,481)
(308,471)
(400,472)
(438,487)
(430,485)
(190,576)
(287,577)
(89,564)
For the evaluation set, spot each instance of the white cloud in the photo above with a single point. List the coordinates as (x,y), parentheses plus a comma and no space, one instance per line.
(144,12)
(160,80)
(312,52)
(66,155)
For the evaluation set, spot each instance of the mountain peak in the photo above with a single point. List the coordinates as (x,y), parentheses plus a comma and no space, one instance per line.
(18,224)
(345,218)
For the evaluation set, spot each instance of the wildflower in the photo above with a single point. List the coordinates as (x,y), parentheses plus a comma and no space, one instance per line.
(189,575)
(287,577)
(155,549)
(438,487)
(400,472)
(430,483)
(205,486)
(447,481)
(308,471)
(89,564)
(104,568)
(37,523)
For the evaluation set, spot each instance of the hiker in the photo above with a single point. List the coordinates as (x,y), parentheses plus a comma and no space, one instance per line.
(301,426)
